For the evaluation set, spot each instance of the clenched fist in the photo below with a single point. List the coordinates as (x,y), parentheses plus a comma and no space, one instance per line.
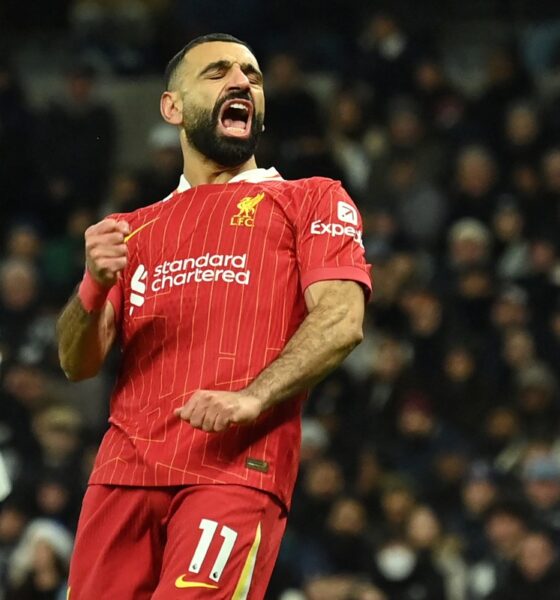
(106,252)
(215,411)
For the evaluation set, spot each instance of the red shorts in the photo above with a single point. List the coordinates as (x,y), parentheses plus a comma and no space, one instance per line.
(196,542)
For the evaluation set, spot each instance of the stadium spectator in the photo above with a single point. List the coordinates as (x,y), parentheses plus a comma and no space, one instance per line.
(163,171)
(541,483)
(75,167)
(536,573)
(506,528)
(403,574)
(39,564)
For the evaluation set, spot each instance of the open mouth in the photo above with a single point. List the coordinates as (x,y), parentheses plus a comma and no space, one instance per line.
(235,118)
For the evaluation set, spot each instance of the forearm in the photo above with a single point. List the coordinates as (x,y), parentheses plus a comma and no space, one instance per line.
(83,340)
(321,343)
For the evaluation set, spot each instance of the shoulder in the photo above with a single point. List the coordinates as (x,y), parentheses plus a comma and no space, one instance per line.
(309,191)
(146,213)
(315,184)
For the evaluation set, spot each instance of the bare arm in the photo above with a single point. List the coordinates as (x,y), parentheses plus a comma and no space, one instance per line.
(332,329)
(86,328)
(328,334)
(84,339)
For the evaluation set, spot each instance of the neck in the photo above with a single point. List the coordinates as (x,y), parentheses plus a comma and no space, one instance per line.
(199,169)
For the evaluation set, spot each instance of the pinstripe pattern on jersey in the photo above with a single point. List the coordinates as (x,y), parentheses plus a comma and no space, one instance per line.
(218,335)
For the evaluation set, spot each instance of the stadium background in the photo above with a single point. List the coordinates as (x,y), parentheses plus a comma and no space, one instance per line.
(431,460)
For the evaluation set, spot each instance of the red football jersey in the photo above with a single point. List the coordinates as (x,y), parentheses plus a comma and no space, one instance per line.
(212,292)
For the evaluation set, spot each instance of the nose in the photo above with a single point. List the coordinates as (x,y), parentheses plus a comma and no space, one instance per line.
(238,80)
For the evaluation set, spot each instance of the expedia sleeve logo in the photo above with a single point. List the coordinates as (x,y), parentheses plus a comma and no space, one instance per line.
(247,210)
(349,216)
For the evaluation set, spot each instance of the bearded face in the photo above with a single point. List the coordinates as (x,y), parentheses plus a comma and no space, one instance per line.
(228,133)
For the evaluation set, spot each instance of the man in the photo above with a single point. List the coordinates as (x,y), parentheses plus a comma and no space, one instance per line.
(230,299)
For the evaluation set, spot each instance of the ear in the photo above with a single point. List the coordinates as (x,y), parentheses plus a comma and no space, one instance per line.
(171,108)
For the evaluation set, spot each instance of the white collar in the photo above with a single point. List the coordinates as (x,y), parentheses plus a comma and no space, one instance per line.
(253,176)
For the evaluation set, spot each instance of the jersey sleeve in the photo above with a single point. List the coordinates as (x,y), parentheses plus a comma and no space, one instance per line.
(329,238)
(115,297)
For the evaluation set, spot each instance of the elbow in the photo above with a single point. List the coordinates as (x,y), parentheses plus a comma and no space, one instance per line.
(75,373)
(356,337)
(352,334)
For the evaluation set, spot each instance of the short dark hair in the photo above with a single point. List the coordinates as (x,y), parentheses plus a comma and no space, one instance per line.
(172,65)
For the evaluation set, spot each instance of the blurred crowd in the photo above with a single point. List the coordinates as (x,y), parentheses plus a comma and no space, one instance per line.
(431,460)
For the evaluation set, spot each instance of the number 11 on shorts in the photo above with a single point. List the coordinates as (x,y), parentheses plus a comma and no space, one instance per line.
(208,529)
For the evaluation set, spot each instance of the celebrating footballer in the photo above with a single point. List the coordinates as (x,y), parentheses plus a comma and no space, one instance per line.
(228,300)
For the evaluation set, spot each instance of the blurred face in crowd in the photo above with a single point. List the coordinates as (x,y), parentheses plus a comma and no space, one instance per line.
(58,434)
(383,26)
(429,76)
(536,556)
(501,425)
(78,221)
(450,467)
(393,275)
(508,224)
(403,174)
(24,243)
(536,397)
(27,384)
(348,114)
(324,479)
(52,498)
(526,180)
(347,517)
(12,524)
(415,421)
(505,532)
(519,348)
(459,365)
(283,72)
(44,556)
(476,172)
(425,313)
(509,312)
(468,250)
(220,88)
(369,473)
(405,128)
(522,125)
(543,255)
(390,359)
(397,504)
(424,529)
(18,285)
(551,170)
(543,493)
(478,495)
(475,284)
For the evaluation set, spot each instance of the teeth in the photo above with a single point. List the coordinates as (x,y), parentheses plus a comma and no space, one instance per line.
(238,106)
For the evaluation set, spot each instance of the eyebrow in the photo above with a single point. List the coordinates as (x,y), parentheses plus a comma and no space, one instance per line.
(247,68)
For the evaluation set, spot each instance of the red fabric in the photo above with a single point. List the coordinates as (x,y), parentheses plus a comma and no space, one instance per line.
(219,327)
(136,543)
(92,295)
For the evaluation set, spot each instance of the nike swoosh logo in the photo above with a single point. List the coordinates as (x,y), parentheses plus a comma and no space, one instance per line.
(181,583)
(133,233)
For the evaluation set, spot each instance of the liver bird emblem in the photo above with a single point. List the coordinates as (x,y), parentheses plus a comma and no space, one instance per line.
(247,209)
